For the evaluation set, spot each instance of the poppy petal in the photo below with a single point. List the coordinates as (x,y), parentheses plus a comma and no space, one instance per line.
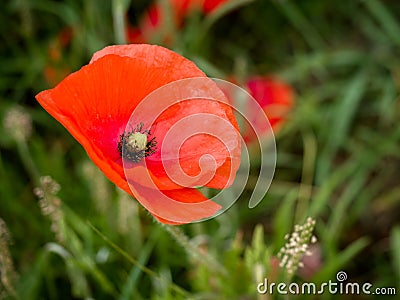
(176,206)
(221,140)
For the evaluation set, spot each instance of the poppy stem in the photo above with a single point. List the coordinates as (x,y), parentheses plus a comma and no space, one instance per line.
(27,161)
(307,176)
(119,8)
(201,257)
(135,262)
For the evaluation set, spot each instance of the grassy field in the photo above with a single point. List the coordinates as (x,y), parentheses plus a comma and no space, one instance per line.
(66,232)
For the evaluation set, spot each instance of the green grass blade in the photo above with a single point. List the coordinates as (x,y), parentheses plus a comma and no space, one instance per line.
(135,262)
(340,121)
(283,220)
(134,275)
(340,175)
(339,214)
(300,22)
(385,18)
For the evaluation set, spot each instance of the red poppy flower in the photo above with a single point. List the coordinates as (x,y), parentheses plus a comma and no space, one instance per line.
(96,103)
(275,97)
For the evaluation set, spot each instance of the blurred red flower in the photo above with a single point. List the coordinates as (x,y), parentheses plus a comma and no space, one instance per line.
(275,97)
(95,103)
(154,19)
(211,5)
(56,68)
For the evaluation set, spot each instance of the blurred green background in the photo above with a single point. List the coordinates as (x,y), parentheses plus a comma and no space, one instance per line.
(338,157)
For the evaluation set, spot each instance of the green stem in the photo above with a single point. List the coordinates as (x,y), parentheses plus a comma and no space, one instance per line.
(133,261)
(200,256)
(119,12)
(28,162)
(305,189)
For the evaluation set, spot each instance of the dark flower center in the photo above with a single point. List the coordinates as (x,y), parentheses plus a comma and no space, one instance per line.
(135,145)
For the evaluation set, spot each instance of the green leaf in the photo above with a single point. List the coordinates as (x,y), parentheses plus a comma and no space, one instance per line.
(385,18)
(283,220)
(340,121)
